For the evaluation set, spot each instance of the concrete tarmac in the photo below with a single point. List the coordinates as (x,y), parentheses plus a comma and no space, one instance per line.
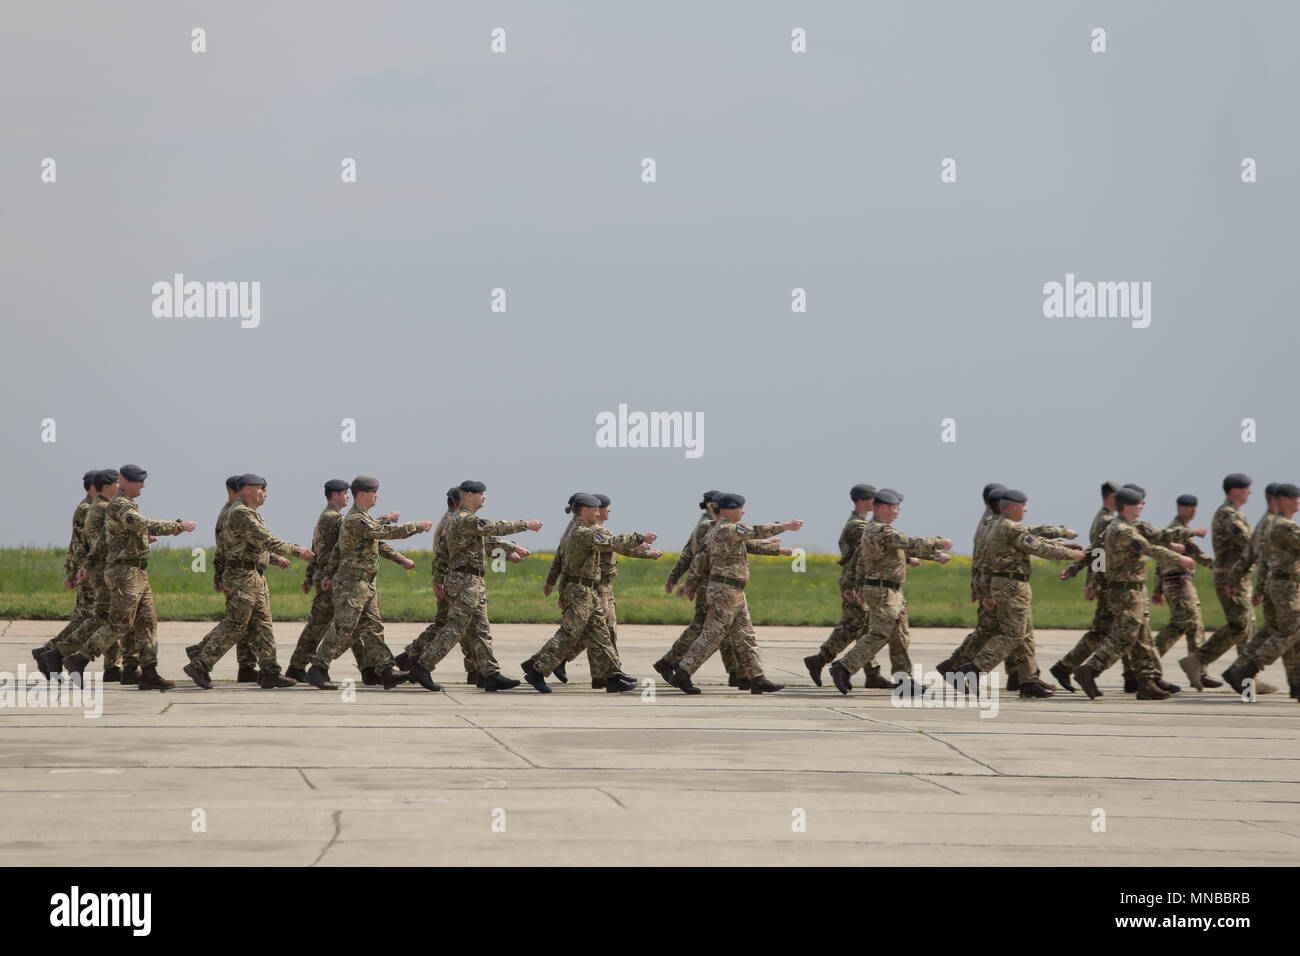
(300,777)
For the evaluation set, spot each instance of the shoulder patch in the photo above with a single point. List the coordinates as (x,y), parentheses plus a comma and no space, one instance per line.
(482,522)
(743,528)
(601,537)
(1029,539)
(130,519)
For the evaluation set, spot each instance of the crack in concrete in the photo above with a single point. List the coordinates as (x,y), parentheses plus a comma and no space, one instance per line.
(612,797)
(305,779)
(923,733)
(337,829)
(1270,829)
(500,742)
(935,782)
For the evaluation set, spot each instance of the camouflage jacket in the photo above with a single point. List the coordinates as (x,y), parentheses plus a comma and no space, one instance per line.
(1126,547)
(97,536)
(726,549)
(1008,545)
(1283,549)
(469,537)
(692,547)
(586,544)
(850,538)
(1177,530)
(323,538)
(247,539)
(78,546)
(128,530)
(1231,533)
(361,544)
(557,563)
(1255,552)
(219,549)
(883,555)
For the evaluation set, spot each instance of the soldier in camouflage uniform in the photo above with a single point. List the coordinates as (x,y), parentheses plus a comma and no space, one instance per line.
(76,559)
(853,620)
(694,544)
(1094,589)
(1283,549)
(875,580)
(1175,584)
(584,623)
(466,588)
(247,549)
(131,614)
(244,655)
(985,622)
(438,580)
(360,545)
(318,570)
(553,577)
(1231,535)
(1007,545)
(724,561)
(1257,552)
(1126,547)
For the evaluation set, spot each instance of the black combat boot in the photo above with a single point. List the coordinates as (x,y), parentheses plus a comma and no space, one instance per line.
(113,673)
(743,683)
(130,674)
(390,677)
(498,681)
(731,680)
(369,677)
(267,682)
(37,653)
(665,668)
(74,665)
(419,675)
(297,673)
(1013,681)
(1062,674)
(761,685)
(150,679)
(618,683)
(598,683)
(247,675)
(682,681)
(403,661)
(1210,682)
(815,663)
(53,662)
(1236,677)
(1147,690)
(320,677)
(560,673)
(1165,686)
(877,681)
(472,677)
(1088,681)
(840,677)
(534,677)
(1033,688)
(198,675)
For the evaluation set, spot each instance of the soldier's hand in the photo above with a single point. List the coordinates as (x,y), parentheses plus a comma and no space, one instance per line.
(306,554)
(514,557)
(794,524)
(82,574)
(560,604)
(945,544)
(681,589)
(188,526)
(547,589)
(944,556)
(68,583)
(668,587)
(648,537)
(1199,532)
(522,552)
(1180,548)
(973,596)
(1071,533)
(851,596)
(1157,599)
(407,563)
(426,525)
(1257,600)
(990,604)
(1187,562)
(786,552)
(217,585)
(533,525)
(280,562)
(153,538)
(654,555)
(324,584)
(439,589)
(914,562)
(306,587)
(392,517)
(1231,590)
(1089,594)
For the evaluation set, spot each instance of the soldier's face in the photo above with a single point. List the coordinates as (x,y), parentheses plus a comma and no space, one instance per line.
(110,490)
(887,513)
(132,488)
(1187,512)
(1288,506)
(1016,510)
(1238,496)
(473,500)
(602,514)
(367,499)
(731,514)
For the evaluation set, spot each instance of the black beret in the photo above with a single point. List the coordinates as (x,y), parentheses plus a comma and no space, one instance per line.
(991,487)
(603,499)
(862,492)
(251,479)
(888,496)
(233,482)
(1287,490)
(1271,488)
(1128,496)
(571,497)
(1185,500)
(1136,487)
(453,491)
(729,499)
(364,483)
(105,477)
(89,476)
(1110,487)
(335,484)
(584,500)
(1236,480)
(473,487)
(711,494)
(134,473)
(1012,494)
(997,492)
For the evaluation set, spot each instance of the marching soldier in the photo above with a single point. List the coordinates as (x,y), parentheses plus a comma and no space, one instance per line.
(1007,545)
(584,624)
(553,576)
(1174,584)
(1126,578)
(876,582)
(361,542)
(76,559)
(852,617)
(724,559)
(985,622)
(131,614)
(1284,588)
(466,587)
(247,545)
(1231,533)
(1257,551)
(1094,589)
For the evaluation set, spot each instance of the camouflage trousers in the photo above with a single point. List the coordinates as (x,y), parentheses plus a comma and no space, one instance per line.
(886,612)
(132,621)
(1240,613)
(467,625)
(582,626)
(853,621)
(356,618)
(70,641)
(727,620)
(417,646)
(688,637)
(1184,615)
(1286,606)
(1103,622)
(248,617)
(82,611)
(1130,634)
(1013,637)
(595,661)
(318,623)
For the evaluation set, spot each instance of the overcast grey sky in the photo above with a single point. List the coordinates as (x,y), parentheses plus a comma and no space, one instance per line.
(522,170)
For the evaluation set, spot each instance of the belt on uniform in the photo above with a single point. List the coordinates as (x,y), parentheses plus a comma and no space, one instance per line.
(1009,574)
(1177,577)
(133,563)
(734,582)
(1126,585)
(585,582)
(245,566)
(882,583)
(466,569)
